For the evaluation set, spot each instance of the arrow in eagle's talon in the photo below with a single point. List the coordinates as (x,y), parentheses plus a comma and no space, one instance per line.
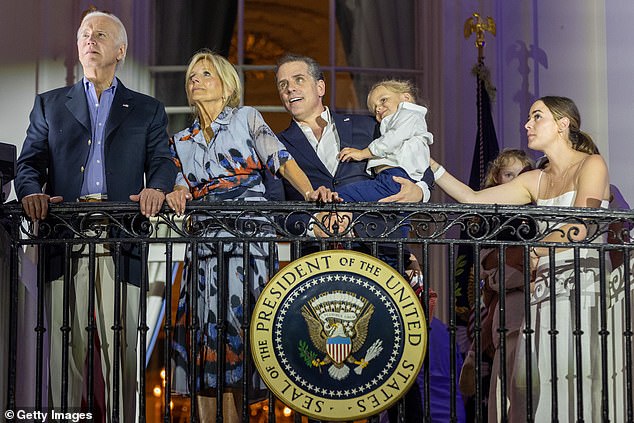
(362,363)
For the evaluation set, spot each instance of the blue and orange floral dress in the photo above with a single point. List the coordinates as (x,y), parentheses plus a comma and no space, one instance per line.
(228,168)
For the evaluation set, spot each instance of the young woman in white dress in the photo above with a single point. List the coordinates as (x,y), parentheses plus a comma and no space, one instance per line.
(575,176)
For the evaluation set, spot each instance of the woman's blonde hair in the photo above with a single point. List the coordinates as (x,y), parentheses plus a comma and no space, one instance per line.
(399,86)
(231,86)
(504,159)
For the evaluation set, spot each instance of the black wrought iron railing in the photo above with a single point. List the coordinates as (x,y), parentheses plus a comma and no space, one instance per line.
(575,310)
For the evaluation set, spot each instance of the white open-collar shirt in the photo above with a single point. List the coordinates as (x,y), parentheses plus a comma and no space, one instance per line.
(328,146)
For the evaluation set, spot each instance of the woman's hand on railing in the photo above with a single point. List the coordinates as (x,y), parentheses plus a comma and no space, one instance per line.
(178,198)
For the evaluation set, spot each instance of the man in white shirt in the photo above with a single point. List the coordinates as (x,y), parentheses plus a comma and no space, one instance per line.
(316,135)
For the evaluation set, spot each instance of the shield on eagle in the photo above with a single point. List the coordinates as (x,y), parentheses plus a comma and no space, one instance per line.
(338,348)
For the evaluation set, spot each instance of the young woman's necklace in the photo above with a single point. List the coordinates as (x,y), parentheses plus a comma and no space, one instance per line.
(563,179)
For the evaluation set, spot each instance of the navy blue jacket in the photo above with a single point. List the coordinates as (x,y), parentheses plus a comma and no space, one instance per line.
(57,145)
(354,131)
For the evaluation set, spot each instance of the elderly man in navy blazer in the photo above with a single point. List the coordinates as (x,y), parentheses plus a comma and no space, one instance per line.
(95,141)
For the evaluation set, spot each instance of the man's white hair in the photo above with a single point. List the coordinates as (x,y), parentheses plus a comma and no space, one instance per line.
(121,36)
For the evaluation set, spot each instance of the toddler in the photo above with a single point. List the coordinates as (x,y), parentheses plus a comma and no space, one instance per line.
(401,150)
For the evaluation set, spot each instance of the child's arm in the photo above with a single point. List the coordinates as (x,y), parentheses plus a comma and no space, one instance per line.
(349,153)
(404,125)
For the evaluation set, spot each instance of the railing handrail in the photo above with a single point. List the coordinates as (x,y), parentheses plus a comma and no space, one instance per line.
(529,210)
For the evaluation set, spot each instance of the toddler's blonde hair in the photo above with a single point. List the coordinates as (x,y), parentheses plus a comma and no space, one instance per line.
(399,86)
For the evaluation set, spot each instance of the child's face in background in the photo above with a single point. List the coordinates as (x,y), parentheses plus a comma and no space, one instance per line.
(384,102)
(509,171)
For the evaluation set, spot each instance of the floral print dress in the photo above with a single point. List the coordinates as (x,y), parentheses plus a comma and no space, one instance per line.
(228,168)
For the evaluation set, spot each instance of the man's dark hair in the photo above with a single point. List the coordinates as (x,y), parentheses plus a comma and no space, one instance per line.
(313,67)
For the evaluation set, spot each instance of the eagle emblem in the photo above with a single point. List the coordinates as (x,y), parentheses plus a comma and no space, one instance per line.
(338,327)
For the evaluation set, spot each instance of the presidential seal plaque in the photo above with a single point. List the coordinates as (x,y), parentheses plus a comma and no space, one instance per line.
(338,335)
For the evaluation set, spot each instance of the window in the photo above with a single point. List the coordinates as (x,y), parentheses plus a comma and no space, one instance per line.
(356,42)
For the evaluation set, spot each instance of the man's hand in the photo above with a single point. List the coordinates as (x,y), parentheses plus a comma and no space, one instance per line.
(150,201)
(349,153)
(409,193)
(177,200)
(36,205)
(323,194)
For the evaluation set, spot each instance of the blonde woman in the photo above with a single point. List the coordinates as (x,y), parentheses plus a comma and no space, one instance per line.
(221,157)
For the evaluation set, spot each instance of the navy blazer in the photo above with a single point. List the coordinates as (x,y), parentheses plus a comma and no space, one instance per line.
(354,131)
(57,144)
